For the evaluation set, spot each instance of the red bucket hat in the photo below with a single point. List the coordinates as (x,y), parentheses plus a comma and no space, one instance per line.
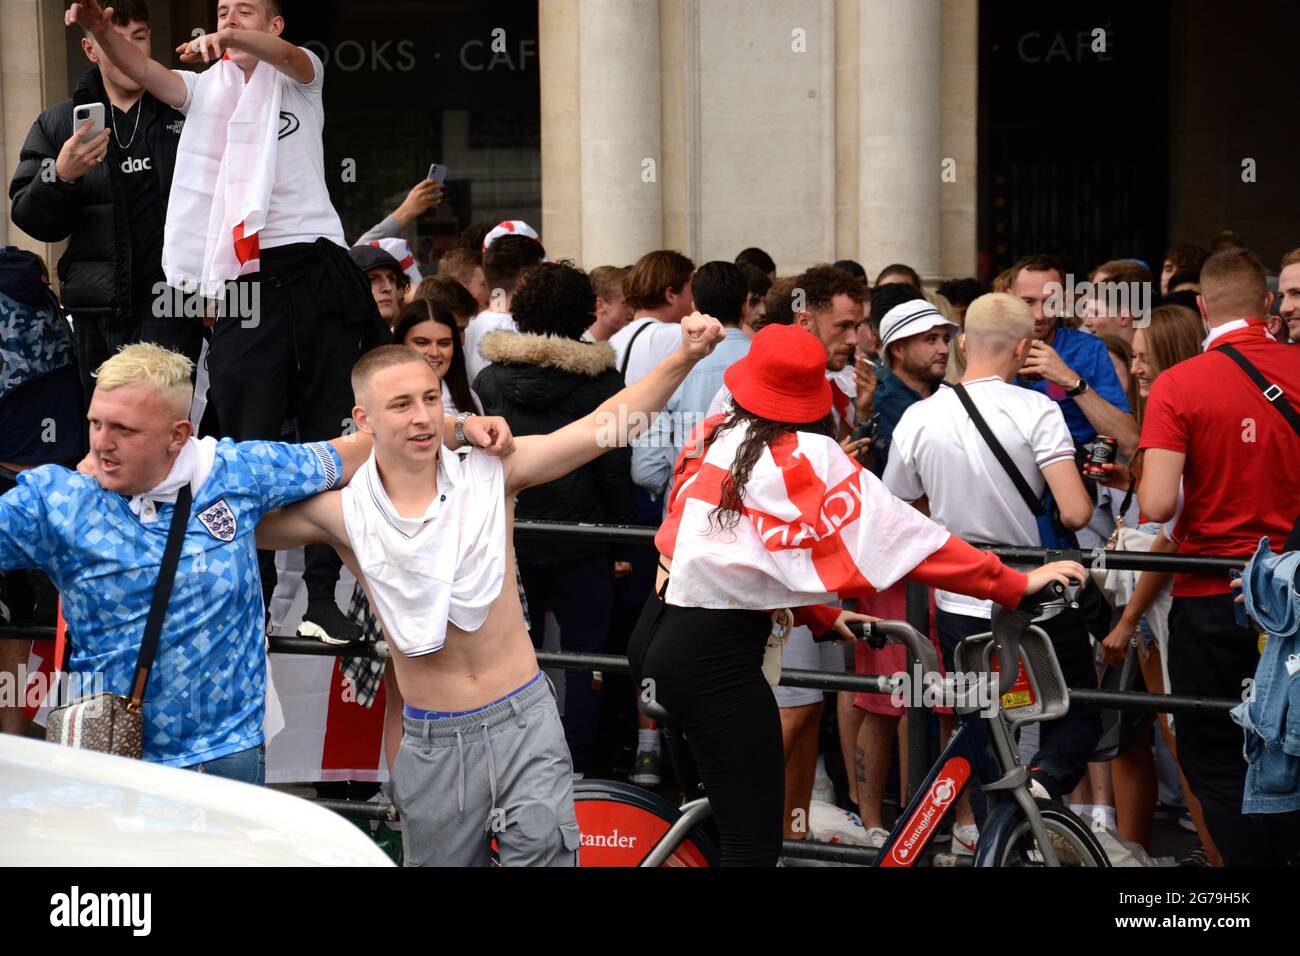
(783,378)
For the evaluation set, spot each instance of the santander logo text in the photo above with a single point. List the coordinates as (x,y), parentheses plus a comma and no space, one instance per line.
(920,827)
(613,838)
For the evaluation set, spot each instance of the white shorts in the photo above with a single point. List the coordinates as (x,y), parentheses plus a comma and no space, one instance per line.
(803,653)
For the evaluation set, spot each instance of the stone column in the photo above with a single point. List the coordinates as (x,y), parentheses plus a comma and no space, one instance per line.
(847,112)
(558,41)
(33,76)
(620,123)
(899,135)
(958,137)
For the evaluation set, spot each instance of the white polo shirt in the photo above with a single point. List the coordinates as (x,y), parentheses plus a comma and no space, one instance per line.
(938,453)
(651,347)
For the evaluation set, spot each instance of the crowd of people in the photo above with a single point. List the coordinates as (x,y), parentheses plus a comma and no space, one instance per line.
(317,394)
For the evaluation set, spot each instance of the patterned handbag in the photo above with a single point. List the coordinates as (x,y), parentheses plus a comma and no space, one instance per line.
(112,723)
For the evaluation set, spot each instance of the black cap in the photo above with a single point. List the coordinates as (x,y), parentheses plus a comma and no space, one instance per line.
(369,257)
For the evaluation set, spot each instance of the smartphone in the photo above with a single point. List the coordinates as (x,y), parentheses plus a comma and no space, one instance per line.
(89,111)
(1238,610)
(438,173)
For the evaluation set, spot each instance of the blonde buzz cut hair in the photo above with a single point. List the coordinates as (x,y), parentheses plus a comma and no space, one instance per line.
(376,360)
(166,372)
(996,322)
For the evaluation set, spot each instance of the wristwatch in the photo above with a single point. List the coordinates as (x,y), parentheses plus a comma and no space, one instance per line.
(1078,389)
(460,428)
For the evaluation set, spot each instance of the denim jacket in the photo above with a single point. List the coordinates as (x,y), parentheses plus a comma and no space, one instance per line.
(1270,716)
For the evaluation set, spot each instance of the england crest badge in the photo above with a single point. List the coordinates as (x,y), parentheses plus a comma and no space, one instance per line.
(220,521)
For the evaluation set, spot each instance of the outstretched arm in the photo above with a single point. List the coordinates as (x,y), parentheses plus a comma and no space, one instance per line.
(315,520)
(267,47)
(542,458)
(161,82)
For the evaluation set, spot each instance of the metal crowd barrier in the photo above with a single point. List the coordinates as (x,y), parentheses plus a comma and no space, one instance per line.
(1119,560)
(817,680)
(920,743)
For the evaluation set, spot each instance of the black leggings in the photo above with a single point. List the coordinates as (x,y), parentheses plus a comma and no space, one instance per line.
(706,669)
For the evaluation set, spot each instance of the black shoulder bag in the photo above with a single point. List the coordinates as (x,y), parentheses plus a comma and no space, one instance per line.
(1051,533)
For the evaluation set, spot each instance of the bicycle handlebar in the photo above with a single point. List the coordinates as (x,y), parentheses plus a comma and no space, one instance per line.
(1052,593)
(1007,624)
(901,633)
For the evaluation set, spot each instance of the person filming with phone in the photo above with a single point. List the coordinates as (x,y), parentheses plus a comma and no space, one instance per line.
(96,170)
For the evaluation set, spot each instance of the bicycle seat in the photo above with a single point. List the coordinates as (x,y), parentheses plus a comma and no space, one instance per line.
(655,711)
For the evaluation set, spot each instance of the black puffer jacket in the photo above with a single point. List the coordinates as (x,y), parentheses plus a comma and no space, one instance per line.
(540,383)
(95,271)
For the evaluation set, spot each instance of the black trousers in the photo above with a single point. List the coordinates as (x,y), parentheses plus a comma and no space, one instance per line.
(1210,656)
(705,667)
(292,358)
(1064,745)
(581,597)
(99,338)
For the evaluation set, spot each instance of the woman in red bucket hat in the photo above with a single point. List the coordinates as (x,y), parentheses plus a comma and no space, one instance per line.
(768,512)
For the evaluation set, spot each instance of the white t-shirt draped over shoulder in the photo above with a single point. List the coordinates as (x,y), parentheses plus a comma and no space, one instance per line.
(939,454)
(300,208)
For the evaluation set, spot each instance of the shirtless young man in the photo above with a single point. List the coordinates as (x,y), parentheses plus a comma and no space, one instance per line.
(429,536)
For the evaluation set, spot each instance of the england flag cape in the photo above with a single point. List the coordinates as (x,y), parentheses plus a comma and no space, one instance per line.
(814,525)
(221,190)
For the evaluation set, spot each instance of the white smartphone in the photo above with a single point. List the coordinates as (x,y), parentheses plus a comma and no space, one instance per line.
(438,173)
(89,111)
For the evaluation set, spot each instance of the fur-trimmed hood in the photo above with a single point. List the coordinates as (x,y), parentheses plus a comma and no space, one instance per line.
(587,359)
(529,370)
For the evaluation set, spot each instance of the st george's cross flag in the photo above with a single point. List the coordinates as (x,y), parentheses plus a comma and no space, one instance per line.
(815,524)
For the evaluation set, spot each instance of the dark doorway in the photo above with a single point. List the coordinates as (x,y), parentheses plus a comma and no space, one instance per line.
(1073,137)
(411,83)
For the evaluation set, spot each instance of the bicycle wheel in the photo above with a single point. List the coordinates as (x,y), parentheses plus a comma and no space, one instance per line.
(1073,841)
(621,823)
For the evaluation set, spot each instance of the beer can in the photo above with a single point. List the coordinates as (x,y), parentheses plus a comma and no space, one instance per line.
(1101,453)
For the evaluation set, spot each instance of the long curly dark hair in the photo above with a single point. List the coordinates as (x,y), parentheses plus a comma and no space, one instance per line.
(762,431)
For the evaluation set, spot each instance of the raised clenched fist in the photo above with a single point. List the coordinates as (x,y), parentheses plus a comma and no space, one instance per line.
(700,334)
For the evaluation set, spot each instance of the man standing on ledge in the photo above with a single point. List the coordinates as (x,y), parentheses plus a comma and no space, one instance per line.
(250,220)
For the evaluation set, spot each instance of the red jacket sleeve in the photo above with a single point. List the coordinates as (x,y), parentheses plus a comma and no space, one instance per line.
(818,618)
(959,567)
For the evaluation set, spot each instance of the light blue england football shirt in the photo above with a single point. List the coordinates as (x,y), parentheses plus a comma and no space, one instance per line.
(207,691)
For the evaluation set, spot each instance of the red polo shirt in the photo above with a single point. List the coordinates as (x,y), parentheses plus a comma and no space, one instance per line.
(1241,480)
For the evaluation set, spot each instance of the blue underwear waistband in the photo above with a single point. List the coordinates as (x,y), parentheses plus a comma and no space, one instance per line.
(416,713)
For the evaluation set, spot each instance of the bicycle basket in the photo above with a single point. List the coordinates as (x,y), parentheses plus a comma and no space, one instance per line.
(1039,693)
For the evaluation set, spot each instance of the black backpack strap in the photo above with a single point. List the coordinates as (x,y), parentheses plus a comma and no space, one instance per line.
(162,592)
(627,353)
(1272,392)
(1000,453)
